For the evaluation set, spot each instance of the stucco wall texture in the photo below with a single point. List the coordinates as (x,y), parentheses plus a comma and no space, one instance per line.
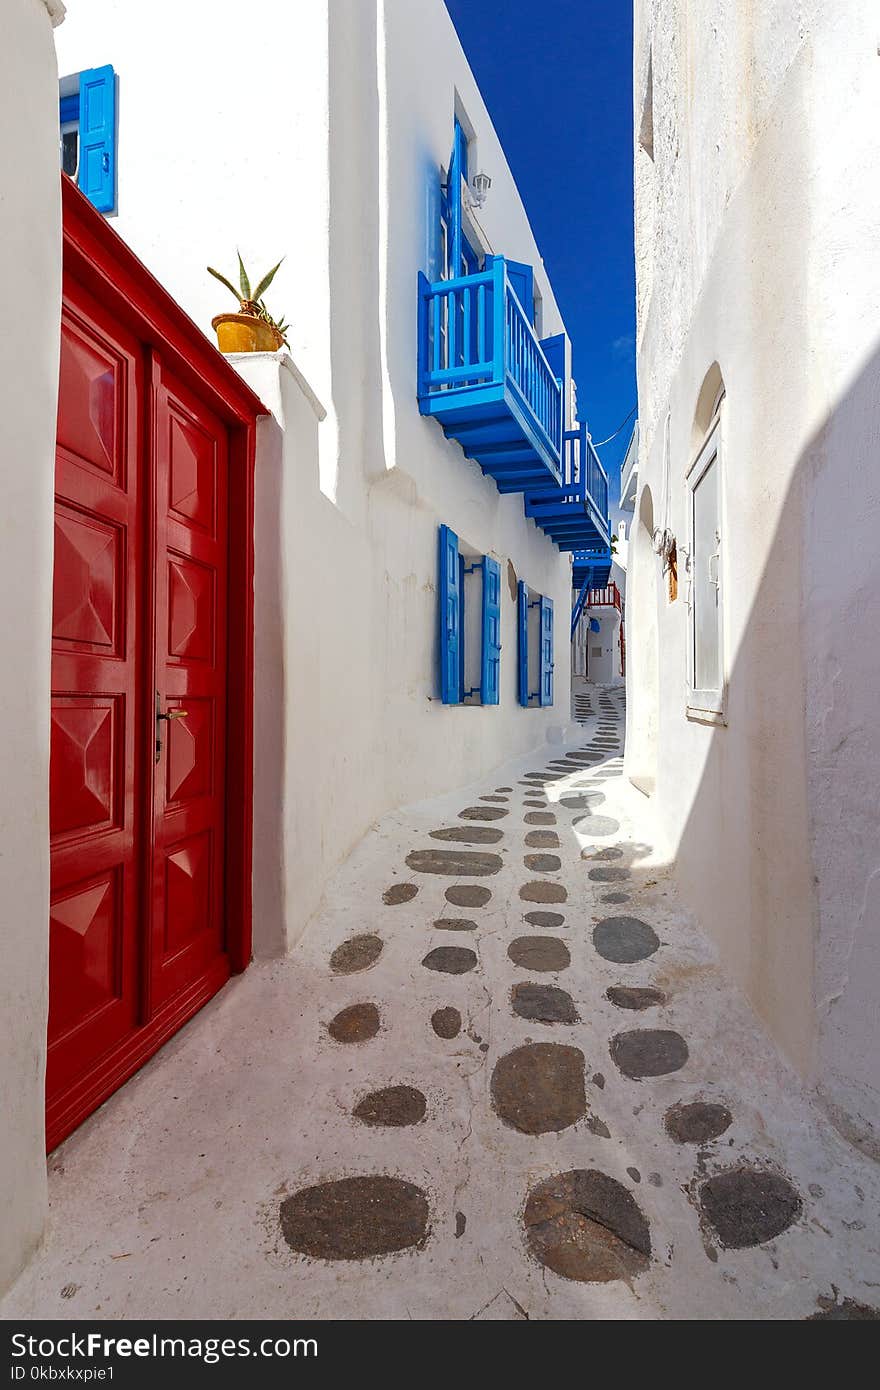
(757,215)
(30,251)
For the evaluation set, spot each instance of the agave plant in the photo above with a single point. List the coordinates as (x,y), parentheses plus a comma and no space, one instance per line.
(281,325)
(251,300)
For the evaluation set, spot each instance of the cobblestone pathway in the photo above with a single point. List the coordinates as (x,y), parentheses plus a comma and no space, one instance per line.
(500,1078)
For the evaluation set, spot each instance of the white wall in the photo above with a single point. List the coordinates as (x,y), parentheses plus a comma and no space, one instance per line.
(348,718)
(756,224)
(604,668)
(330,159)
(222,138)
(30,251)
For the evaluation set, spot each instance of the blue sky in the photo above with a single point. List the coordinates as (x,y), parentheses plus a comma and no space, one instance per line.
(556,76)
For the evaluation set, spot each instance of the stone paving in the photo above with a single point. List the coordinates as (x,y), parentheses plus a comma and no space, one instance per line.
(500,1078)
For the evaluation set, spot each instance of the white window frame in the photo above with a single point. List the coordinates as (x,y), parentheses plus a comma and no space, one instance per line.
(70,128)
(707,705)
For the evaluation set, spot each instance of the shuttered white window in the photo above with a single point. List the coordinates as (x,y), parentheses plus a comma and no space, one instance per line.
(706,599)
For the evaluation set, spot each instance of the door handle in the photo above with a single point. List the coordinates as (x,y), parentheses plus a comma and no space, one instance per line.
(167,716)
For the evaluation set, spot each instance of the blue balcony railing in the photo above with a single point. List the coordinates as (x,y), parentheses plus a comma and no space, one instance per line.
(595,477)
(485,376)
(574,513)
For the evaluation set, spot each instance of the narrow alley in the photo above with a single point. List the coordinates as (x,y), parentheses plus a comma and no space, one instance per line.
(499,1078)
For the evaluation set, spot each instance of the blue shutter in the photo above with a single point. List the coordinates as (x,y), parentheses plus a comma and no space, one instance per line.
(68,108)
(522,280)
(554,351)
(546,686)
(450,618)
(453,199)
(463,151)
(522,628)
(594,625)
(97,137)
(491,631)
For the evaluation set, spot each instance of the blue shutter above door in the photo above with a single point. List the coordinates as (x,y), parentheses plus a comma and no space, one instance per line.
(522,279)
(489,682)
(522,630)
(450,618)
(97,137)
(546,686)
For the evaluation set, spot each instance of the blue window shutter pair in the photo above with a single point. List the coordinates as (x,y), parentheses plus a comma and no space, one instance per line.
(522,629)
(491,667)
(97,136)
(546,684)
(450,618)
(450,608)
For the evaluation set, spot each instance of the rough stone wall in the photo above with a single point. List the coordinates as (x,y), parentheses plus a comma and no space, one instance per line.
(755,223)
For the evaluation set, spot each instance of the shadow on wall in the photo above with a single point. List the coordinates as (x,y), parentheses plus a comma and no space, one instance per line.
(641,725)
(779,855)
(313,795)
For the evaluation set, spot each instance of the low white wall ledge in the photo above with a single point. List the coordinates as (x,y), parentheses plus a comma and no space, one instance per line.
(284,359)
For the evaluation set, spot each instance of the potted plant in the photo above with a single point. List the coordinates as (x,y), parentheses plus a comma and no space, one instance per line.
(252,329)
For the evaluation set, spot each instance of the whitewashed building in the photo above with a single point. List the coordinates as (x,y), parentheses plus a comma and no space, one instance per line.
(754,581)
(340,167)
(419,479)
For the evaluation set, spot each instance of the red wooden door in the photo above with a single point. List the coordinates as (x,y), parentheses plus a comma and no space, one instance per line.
(138,927)
(190,458)
(97,691)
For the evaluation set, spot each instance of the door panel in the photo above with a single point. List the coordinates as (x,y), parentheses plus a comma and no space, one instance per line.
(190,468)
(138,929)
(95,782)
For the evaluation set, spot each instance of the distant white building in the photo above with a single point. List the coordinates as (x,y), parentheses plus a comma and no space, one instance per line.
(599,636)
(753,576)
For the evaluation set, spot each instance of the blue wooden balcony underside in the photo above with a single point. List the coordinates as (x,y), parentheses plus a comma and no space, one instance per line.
(574,514)
(591,567)
(484,376)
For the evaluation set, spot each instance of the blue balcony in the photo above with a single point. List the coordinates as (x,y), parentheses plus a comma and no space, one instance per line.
(574,513)
(484,375)
(591,568)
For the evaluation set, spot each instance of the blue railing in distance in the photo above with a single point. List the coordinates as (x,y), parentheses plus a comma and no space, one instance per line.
(573,476)
(596,478)
(583,476)
(578,608)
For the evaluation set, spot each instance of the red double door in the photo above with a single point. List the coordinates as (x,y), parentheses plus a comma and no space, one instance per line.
(138,933)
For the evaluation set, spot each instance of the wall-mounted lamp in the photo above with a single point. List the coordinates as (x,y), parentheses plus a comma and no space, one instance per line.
(480,185)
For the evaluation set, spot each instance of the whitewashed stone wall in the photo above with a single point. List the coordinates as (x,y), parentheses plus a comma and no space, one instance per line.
(757,217)
(30,252)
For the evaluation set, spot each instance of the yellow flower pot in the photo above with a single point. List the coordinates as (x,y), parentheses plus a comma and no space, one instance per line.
(245,333)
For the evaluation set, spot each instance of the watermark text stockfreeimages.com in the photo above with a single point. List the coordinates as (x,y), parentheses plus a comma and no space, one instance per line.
(96,1346)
